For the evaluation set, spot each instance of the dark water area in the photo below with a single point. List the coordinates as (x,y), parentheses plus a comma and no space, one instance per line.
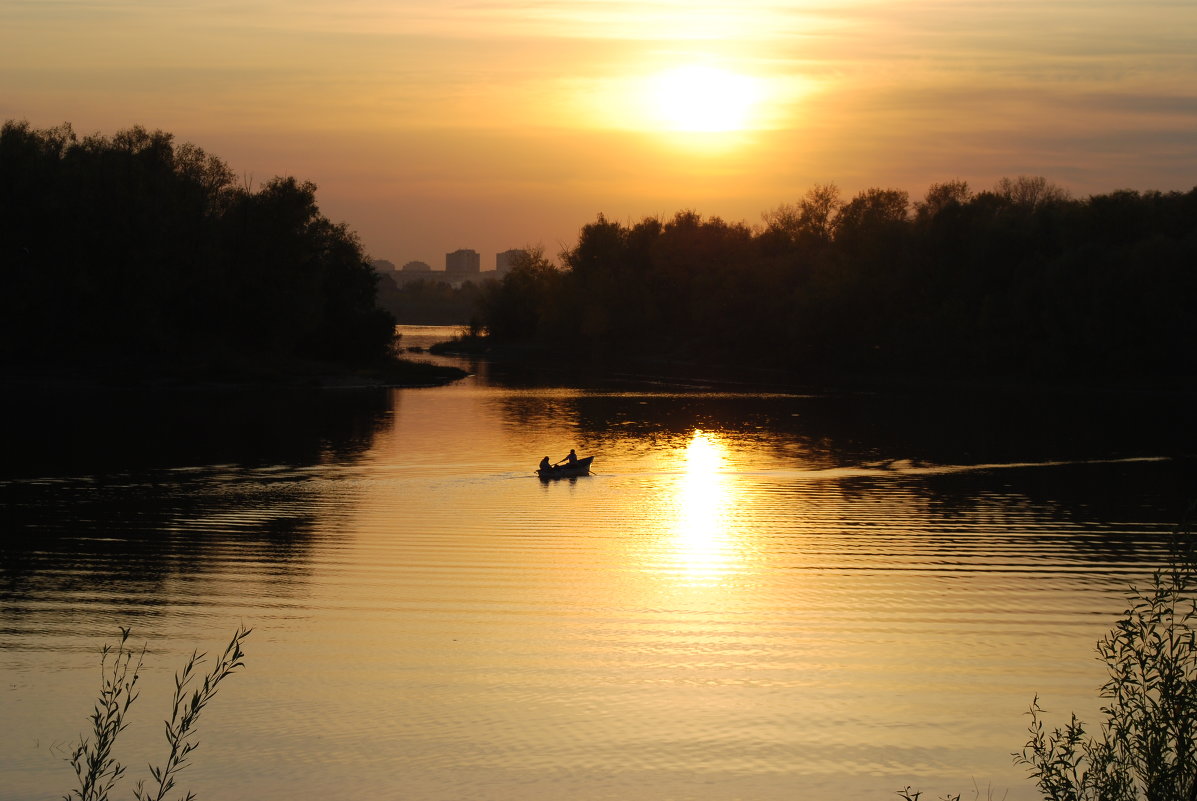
(92,430)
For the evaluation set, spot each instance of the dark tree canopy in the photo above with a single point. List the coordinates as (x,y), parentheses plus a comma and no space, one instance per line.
(138,247)
(428,301)
(1020,281)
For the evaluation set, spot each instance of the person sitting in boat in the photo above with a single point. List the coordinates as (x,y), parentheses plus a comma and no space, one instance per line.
(544,464)
(571,458)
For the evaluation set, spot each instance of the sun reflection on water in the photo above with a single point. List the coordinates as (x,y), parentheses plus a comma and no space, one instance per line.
(703,548)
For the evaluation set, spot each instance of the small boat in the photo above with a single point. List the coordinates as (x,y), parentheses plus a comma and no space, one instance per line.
(578,468)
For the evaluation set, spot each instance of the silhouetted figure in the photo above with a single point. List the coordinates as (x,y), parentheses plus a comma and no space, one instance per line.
(544,464)
(571,458)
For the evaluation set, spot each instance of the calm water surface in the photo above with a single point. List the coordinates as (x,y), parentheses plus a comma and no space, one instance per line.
(756,596)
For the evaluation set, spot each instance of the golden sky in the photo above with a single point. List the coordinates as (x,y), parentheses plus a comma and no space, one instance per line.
(489,124)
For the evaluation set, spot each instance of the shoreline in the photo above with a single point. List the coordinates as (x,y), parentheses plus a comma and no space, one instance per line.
(679,371)
(147,375)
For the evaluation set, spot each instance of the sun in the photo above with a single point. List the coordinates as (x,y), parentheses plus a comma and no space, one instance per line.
(702,99)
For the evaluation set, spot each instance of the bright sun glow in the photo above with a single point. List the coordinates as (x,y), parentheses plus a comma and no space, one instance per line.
(703,99)
(704,549)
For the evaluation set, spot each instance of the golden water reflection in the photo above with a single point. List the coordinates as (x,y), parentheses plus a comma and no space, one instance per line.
(703,547)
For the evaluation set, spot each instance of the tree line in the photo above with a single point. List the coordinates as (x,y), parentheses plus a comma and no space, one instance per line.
(1018,280)
(429,301)
(135,246)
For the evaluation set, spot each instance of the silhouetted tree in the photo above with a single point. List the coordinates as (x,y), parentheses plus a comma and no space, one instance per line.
(1021,280)
(135,247)
(1030,192)
(429,301)
(941,197)
(524,305)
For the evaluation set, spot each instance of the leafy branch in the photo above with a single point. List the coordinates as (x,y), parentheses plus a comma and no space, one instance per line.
(96,770)
(1146,747)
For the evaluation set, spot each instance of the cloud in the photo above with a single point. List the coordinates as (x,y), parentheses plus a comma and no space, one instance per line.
(529,105)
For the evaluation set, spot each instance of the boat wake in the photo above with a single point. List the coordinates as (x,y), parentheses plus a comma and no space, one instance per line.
(910,467)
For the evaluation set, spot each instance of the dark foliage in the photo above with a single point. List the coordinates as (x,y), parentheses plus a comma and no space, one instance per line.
(525,303)
(429,301)
(136,247)
(1146,748)
(1021,281)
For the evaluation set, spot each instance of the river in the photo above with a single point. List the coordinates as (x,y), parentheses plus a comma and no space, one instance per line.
(757,595)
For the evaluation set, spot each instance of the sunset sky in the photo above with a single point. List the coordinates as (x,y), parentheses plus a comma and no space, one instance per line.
(490,124)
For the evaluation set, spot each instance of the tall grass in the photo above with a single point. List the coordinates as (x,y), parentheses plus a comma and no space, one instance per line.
(96,770)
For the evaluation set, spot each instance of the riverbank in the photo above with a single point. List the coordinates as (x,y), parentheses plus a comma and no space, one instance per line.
(243,372)
(749,373)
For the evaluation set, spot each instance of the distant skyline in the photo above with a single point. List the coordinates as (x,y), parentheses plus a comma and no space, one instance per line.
(432,126)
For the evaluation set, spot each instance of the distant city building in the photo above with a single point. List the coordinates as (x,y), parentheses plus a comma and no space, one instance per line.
(507,259)
(411,272)
(463,261)
(461,266)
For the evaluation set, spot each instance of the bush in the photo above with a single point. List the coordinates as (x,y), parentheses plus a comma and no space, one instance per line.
(1145,747)
(96,770)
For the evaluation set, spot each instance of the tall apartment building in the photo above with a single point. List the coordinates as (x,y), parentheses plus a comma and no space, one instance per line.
(506,260)
(463,261)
